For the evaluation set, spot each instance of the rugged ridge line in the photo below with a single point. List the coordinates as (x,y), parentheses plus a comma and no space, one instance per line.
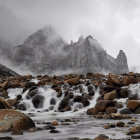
(45,52)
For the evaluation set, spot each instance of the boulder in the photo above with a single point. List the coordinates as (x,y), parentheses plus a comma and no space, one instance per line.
(4,85)
(110,110)
(92,111)
(133,96)
(32,93)
(135,130)
(30,84)
(52,101)
(107,88)
(6,138)
(103,104)
(110,95)
(126,81)
(118,116)
(38,101)
(64,105)
(3,93)
(120,124)
(125,111)
(4,104)
(123,93)
(137,111)
(41,83)
(133,104)
(14,120)
(81,99)
(21,107)
(90,88)
(74,81)
(113,80)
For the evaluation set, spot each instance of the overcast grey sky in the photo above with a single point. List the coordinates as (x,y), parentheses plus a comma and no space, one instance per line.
(114,23)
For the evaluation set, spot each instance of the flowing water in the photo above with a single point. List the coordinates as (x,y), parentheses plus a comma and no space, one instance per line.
(80,124)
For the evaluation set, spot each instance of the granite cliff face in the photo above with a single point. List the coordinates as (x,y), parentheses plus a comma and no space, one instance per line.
(45,52)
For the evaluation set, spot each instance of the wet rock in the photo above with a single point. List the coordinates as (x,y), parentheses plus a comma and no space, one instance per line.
(90,88)
(120,124)
(113,80)
(41,83)
(119,105)
(54,86)
(54,131)
(52,101)
(92,111)
(4,104)
(4,85)
(108,88)
(63,105)
(55,123)
(32,94)
(91,93)
(38,101)
(57,89)
(110,110)
(118,116)
(14,120)
(50,108)
(81,99)
(6,138)
(108,126)
(69,94)
(103,104)
(133,104)
(74,81)
(110,95)
(48,127)
(135,137)
(89,75)
(137,111)
(123,93)
(30,84)
(87,83)
(126,81)
(3,93)
(125,111)
(14,102)
(32,88)
(17,132)
(133,96)
(135,130)
(21,107)
(59,94)
(101,137)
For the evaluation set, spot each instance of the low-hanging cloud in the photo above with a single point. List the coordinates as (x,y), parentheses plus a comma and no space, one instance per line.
(115,24)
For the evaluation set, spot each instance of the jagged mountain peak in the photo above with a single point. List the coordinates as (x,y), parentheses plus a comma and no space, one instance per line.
(81,38)
(45,51)
(93,42)
(45,37)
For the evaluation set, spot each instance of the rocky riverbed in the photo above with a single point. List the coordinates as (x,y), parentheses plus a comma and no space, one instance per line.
(73,106)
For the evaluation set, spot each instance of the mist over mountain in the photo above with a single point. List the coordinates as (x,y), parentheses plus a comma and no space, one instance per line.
(45,52)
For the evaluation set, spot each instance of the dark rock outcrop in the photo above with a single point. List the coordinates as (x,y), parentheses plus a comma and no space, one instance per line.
(4,71)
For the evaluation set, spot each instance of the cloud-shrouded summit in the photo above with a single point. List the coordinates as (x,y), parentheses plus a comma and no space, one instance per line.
(45,52)
(115,24)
